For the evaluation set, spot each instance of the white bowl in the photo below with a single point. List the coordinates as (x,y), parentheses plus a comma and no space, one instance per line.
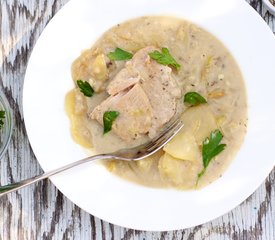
(269,6)
(91,186)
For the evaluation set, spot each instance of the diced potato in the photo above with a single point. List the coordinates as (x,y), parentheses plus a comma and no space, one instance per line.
(74,108)
(81,134)
(99,68)
(75,103)
(200,120)
(183,146)
(81,67)
(178,172)
(146,164)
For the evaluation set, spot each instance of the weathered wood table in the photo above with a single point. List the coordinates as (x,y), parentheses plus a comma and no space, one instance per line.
(41,211)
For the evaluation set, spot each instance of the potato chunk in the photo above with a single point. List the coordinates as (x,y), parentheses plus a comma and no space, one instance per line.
(200,120)
(179,173)
(183,146)
(146,164)
(99,68)
(75,107)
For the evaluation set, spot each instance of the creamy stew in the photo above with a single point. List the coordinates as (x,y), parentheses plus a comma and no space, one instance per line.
(141,74)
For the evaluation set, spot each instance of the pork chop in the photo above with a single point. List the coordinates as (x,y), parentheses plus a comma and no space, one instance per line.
(135,113)
(157,82)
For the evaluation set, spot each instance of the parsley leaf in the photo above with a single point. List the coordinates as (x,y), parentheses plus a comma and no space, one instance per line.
(2,117)
(119,55)
(108,118)
(211,148)
(2,114)
(85,88)
(194,98)
(164,57)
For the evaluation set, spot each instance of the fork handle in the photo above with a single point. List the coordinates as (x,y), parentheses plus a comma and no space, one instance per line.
(15,186)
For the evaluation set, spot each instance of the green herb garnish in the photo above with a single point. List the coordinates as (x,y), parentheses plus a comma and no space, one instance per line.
(108,118)
(194,98)
(164,57)
(211,148)
(85,88)
(119,55)
(2,117)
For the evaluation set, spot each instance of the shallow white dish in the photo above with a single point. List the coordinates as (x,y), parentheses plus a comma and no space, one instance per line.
(91,186)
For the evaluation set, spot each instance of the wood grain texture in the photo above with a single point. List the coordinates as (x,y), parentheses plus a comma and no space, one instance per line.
(41,211)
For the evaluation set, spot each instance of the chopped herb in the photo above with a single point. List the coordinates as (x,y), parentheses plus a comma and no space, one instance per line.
(194,98)
(108,118)
(164,57)
(2,114)
(2,117)
(119,55)
(85,88)
(211,148)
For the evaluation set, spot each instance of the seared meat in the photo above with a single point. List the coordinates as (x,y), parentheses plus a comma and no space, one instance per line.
(122,81)
(155,84)
(135,116)
(159,85)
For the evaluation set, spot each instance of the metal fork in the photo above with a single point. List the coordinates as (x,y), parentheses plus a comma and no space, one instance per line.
(132,154)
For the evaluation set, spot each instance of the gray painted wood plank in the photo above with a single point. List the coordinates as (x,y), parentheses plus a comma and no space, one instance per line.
(41,211)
